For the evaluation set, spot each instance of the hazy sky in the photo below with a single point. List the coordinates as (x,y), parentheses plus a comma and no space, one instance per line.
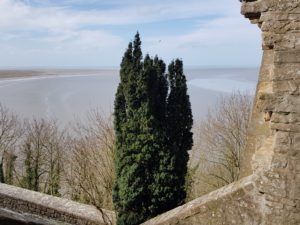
(95,33)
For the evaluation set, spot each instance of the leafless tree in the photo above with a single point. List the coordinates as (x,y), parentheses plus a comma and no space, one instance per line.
(42,149)
(90,170)
(10,133)
(220,141)
(77,163)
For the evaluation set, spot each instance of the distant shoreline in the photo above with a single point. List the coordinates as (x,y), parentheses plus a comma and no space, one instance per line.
(12,74)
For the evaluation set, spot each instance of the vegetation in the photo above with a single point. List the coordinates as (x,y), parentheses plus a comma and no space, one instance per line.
(89,170)
(220,141)
(38,155)
(151,150)
(42,146)
(180,122)
(10,132)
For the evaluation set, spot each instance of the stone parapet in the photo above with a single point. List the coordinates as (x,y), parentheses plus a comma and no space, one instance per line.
(36,208)
(236,204)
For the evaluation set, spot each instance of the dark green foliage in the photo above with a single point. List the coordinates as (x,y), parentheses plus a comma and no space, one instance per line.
(180,122)
(135,138)
(146,161)
(172,167)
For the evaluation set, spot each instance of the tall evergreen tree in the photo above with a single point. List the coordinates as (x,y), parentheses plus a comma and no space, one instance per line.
(145,161)
(133,130)
(171,171)
(179,125)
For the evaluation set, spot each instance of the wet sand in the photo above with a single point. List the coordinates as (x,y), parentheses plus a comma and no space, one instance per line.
(13,73)
(67,93)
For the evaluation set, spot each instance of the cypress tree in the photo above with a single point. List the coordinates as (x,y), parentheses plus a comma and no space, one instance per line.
(171,171)
(179,125)
(146,176)
(132,124)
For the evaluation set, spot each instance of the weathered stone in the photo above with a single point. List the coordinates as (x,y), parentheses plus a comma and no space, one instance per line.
(292,86)
(286,71)
(292,56)
(45,209)
(290,6)
(286,127)
(279,161)
(285,117)
(281,42)
(229,205)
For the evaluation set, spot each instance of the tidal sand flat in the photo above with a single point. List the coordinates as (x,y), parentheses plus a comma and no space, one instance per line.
(68,94)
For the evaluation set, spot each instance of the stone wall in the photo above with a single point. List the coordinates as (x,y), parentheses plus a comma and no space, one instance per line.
(274,141)
(241,207)
(270,192)
(20,206)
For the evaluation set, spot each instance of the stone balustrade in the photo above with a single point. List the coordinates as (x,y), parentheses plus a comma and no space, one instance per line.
(29,207)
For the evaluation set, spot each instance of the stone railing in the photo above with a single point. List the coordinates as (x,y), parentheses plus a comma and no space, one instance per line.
(238,203)
(27,207)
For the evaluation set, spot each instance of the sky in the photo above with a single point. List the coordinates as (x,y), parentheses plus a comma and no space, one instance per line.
(95,33)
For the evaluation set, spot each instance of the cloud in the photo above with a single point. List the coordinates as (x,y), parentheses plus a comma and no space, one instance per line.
(227,40)
(218,31)
(21,14)
(51,24)
(56,26)
(58,22)
(84,39)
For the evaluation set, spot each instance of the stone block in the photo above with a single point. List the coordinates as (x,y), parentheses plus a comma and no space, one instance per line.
(281,42)
(252,10)
(297,187)
(288,202)
(285,127)
(289,6)
(286,71)
(287,104)
(279,161)
(285,117)
(274,205)
(296,142)
(292,56)
(267,67)
(291,86)
(272,183)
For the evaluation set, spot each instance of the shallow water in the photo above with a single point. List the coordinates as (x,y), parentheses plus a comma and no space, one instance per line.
(65,97)
(223,85)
